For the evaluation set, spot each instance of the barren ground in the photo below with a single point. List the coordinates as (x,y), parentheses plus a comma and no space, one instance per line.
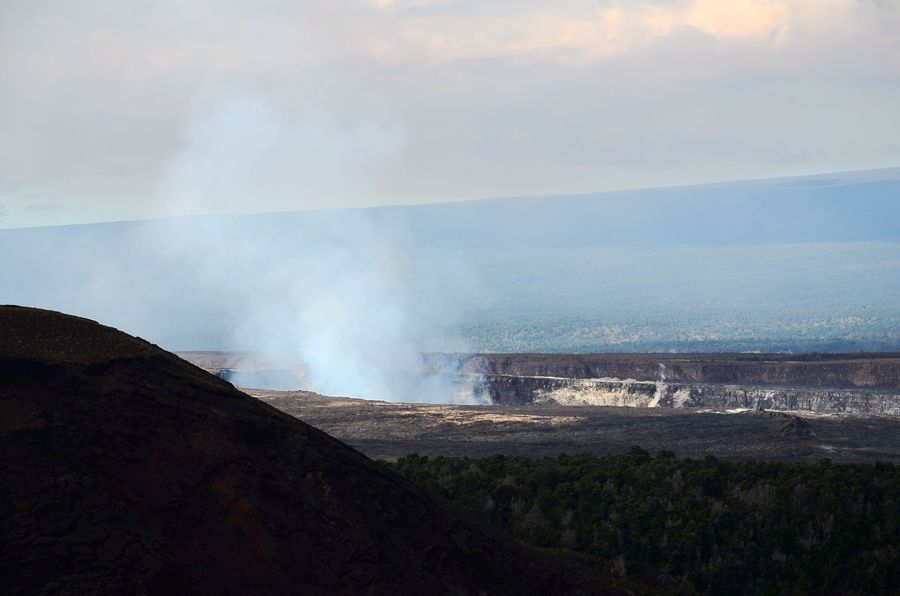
(386,430)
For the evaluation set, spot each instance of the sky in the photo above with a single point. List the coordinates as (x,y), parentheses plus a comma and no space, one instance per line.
(136,109)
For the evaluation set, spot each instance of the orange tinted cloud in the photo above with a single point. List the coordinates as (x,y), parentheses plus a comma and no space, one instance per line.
(579,38)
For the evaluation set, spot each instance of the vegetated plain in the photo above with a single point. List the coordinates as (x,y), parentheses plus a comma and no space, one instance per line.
(687,526)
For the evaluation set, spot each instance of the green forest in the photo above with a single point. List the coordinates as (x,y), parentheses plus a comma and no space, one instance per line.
(690,526)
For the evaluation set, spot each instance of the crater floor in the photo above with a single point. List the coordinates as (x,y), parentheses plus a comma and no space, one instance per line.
(386,430)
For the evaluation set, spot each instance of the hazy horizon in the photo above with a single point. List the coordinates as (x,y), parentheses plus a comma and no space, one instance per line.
(840,177)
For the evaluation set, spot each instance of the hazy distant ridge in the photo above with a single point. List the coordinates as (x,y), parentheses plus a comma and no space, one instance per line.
(790,264)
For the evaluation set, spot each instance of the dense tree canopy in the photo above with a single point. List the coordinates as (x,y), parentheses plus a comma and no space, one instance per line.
(691,525)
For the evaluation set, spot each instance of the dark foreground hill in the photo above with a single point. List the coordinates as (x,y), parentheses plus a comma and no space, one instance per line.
(126,469)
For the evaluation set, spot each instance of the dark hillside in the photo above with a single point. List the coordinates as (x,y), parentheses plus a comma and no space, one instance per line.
(125,469)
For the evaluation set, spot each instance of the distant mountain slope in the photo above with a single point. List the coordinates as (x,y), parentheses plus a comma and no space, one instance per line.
(798,264)
(839,208)
(842,207)
(124,469)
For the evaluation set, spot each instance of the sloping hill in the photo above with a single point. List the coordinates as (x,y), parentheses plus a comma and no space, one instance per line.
(126,469)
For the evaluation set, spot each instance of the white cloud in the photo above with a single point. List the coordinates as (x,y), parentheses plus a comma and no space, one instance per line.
(578,37)
(420,100)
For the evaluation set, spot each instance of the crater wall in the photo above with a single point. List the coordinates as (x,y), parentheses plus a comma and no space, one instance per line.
(863,370)
(506,389)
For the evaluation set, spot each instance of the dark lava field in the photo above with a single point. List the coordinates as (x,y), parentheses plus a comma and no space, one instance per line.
(384,430)
(775,407)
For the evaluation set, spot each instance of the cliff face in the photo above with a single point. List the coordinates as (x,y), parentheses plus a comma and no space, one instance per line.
(869,371)
(642,394)
(863,384)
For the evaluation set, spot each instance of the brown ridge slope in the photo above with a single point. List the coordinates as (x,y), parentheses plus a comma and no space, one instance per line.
(126,469)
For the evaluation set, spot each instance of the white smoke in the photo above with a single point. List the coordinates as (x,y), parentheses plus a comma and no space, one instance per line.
(659,393)
(340,294)
(245,148)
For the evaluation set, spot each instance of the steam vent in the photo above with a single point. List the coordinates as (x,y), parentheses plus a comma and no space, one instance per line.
(125,469)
